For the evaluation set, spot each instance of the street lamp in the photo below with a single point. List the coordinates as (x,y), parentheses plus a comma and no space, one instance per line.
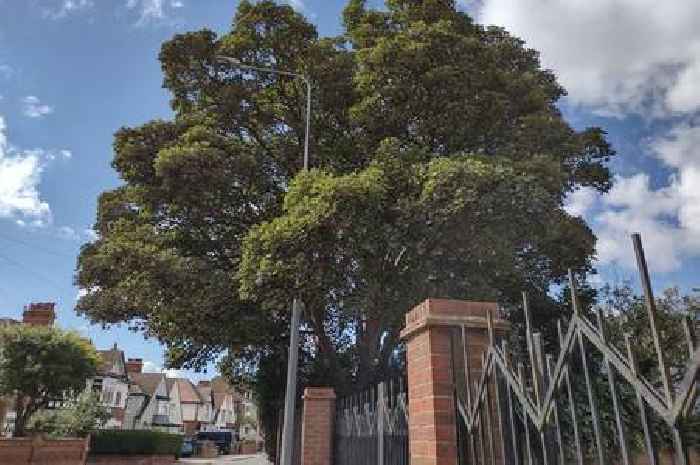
(293,361)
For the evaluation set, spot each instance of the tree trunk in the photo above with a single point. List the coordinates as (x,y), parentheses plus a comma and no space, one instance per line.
(20,417)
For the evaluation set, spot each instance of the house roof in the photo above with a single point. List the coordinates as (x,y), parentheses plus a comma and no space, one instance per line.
(8,322)
(219,398)
(109,359)
(188,393)
(220,385)
(148,382)
(169,383)
(204,393)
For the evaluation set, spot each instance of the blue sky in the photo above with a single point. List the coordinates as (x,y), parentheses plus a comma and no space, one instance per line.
(74,71)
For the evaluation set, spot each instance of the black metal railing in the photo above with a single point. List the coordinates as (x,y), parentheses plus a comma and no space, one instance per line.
(371,426)
(590,404)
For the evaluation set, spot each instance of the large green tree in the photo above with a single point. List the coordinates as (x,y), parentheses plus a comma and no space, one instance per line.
(440,167)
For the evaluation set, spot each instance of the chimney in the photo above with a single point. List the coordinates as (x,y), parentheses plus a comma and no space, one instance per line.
(39,314)
(134,365)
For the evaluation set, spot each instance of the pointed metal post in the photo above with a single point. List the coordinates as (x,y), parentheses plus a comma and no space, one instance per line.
(681,453)
(592,401)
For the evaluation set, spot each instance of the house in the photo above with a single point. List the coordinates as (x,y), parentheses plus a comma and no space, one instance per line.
(175,404)
(34,314)
(224,398)
(196,414)
(206,411)
(112,385)
(247,413)
(148,403)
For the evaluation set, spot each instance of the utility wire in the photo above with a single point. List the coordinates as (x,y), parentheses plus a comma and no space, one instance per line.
(35,274)
(37,247)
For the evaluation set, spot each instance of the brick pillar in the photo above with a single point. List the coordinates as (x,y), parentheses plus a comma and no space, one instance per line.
(317,426)
(430,335)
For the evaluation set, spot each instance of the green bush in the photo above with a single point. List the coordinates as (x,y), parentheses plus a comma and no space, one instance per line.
(135,442)
(84,415)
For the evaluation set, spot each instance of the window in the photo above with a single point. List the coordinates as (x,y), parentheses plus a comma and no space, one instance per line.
(118,399)
(162,408)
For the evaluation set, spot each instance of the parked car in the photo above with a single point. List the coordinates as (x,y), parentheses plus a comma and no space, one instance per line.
(187,448)
(223,439)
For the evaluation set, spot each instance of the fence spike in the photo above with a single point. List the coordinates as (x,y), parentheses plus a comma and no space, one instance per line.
(613,392)
(651,311)
(538,373)
(651,451)
(574,292)
(530,348)
(489,422)
(557,424)
(526,424)
(690,341)
(511,413)
(467,368)
(584,360)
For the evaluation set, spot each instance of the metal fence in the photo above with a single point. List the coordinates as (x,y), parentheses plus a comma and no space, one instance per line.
(588,405)
(371,427)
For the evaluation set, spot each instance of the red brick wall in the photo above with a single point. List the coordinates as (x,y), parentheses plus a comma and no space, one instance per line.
(131,460)
(37,451)
(317,426)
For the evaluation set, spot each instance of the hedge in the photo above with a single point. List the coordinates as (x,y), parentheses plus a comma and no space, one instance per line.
(135,442)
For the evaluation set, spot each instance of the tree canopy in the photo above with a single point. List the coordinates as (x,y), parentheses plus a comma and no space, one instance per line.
(440,167)
(39,365)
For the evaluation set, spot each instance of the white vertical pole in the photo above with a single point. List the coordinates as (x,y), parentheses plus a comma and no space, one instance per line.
(291,394)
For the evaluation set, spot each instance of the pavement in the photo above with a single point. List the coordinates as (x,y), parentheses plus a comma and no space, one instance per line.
(259,459)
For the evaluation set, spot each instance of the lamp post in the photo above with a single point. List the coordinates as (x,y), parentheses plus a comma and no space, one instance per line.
(293,360)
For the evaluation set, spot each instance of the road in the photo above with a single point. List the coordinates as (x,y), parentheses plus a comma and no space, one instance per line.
(259,459)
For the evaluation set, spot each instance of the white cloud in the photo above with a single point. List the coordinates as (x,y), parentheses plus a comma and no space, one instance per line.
(151,11)
(20,174)
(68,233)
(68,7)
(90,234)
(579,202)
(81,293)
(152,367)
(298,5)
(615,56)
(149,366)
(33,108)
(667,216)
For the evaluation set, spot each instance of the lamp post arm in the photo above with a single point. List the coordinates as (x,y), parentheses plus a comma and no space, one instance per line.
(306,81)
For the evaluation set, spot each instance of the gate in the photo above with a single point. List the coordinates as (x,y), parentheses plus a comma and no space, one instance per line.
(588,405)
(371,427)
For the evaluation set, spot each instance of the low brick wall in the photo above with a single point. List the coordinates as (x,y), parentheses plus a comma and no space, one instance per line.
(130,459)
(39,451)
(248,448)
